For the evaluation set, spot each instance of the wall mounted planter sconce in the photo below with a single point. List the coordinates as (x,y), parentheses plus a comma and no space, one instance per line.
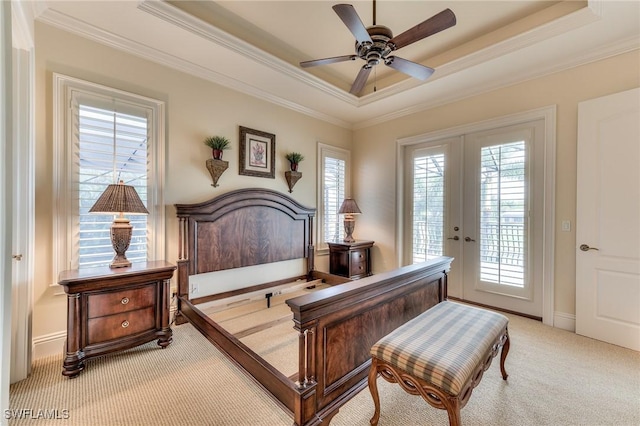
(216,169)
(292,178)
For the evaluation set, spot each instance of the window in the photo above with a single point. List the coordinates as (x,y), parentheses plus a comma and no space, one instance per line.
(333,188)
(112,147)
(104,136)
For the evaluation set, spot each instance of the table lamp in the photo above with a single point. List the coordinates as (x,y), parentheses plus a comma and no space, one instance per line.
(348,209)
(120,198)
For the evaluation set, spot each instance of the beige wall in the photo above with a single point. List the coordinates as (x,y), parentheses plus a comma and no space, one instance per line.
(374,154)
(195,109)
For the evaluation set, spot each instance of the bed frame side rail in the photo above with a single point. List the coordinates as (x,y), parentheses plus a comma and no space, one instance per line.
(283,389)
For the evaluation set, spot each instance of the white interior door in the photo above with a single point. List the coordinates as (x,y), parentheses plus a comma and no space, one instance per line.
(608,219)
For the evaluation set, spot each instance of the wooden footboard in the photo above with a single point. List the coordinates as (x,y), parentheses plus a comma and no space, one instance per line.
(339,325)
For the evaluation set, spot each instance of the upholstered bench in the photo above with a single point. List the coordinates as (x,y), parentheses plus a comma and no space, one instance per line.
(440,355)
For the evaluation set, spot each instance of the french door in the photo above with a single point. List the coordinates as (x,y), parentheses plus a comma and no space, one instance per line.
(434,205)
(478,198)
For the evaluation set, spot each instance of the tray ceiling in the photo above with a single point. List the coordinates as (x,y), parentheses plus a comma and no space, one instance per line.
(255,46)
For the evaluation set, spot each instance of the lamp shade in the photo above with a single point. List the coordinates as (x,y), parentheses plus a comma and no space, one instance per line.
(349,206)
(119,198)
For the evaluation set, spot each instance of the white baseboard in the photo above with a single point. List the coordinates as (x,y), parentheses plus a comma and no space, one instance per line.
(564,321)
(49,344)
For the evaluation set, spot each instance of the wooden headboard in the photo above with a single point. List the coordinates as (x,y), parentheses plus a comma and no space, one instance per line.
(242,228)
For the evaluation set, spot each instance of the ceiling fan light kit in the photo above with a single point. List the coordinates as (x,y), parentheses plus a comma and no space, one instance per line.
(374,44)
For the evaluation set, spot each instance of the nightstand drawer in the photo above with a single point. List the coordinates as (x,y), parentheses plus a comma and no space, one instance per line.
(359,268)
(117,302)
(359,262)
(119,325)
(358,256)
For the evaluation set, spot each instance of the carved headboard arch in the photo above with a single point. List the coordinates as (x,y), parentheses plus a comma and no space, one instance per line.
(244,227)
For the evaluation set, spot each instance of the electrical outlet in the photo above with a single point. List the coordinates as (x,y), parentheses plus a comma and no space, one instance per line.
(566,225)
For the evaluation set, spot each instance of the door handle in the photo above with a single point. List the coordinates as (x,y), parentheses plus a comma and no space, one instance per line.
(467,239)
(456,238)
(585,247)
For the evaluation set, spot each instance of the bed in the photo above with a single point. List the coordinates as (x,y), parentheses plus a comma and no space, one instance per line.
(334,327)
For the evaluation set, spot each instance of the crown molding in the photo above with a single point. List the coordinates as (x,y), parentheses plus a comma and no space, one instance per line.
(179,18)
(536,35)
(176,17)
(85,30)
(607,51)
(559,26)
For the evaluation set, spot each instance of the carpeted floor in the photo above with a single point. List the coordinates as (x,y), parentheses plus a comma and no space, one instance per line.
(556,378)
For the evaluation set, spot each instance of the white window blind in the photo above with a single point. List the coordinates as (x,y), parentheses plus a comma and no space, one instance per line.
(110,147)
(503,214)
(428,207)
(334,194)
(333,188)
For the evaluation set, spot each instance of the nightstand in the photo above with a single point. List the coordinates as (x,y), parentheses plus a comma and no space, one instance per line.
(110,310)
(352,260)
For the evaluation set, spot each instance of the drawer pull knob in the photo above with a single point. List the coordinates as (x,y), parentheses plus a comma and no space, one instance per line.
(124,300)
(125,324)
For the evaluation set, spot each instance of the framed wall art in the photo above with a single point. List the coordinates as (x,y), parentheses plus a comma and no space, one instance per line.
(257,153)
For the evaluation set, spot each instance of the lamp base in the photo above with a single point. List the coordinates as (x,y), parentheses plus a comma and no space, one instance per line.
(349,226)
(120,261)
(120,239)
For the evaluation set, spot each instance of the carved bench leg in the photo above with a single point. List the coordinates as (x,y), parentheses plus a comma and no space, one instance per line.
(373,388)
(503,355)
(454,412)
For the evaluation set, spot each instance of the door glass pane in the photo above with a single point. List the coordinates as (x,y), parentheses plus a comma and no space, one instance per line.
(428,207)
(503,214)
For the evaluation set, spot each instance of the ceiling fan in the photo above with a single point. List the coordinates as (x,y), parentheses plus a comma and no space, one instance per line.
(374,44)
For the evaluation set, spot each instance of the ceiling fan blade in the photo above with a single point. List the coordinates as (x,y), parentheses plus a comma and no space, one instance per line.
(327,61)
(361,80)
(410,68)
(350,17)
(435,24)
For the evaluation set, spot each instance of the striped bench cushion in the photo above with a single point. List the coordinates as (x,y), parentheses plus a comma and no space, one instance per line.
(443,345)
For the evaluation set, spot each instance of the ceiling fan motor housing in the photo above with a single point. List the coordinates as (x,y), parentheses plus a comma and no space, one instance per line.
(374,53)
(374,44)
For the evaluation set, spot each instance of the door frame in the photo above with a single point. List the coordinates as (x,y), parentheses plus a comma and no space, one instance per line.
(6,119)
(21,182)
(548,115)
